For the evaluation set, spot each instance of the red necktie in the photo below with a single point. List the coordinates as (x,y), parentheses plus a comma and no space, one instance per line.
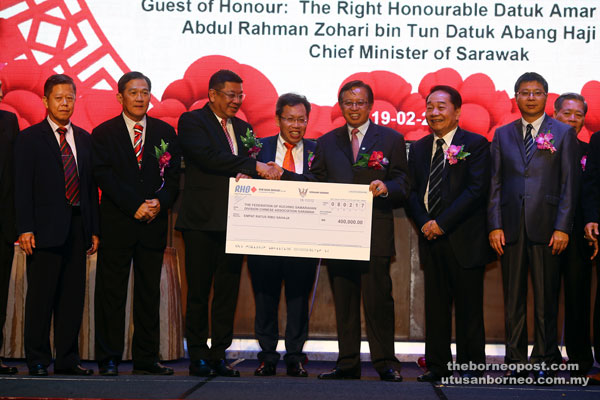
(224,125)
(137,143)
(355,143)
(70,169)
(288,159)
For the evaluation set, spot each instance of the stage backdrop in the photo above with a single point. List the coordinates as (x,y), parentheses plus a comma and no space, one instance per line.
(311,47)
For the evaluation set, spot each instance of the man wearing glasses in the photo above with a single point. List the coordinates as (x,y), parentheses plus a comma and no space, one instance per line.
(335,160)
(530,217)
(289,150)
(210,139)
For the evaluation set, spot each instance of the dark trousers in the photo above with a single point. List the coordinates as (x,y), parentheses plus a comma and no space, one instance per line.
(112,278)
(7,251)
(447,282)
(597,316)
(206,266)
(56,284)
(576,269)
(267,275)
(348,280)
(518,259)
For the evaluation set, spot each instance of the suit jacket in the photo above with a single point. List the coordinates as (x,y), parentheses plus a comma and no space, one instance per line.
(544,188)
(333,162)
(41,204)
(125,186)
(9,128)
(269,150)
(591,182)
(209,164)
(464,192)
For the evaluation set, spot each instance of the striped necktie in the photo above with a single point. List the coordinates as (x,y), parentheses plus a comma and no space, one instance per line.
(70,169)
(138,146)
(434,199)
(528,142)
(224,125)
(355,143)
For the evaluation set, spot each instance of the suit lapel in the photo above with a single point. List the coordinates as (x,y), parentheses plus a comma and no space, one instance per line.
(124,140)
(79,148)
(517,133)
(343,142)
(425,161)
(457,140)
(270,148)
(305,156)
(50,138)
(239,132)
(370,139)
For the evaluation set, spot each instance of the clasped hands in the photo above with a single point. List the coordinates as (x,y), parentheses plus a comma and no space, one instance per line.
(269,170)
(431,230)
(148,210)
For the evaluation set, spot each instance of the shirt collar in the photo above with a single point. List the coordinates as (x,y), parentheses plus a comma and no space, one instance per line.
(55,126)
(447,137)
(131,123)
(536,125)
(362,130)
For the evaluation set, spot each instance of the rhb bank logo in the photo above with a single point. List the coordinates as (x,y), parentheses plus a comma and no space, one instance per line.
(244,189)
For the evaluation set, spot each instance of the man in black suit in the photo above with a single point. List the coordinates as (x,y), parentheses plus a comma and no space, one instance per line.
(136,165)
(576,265)
(530,217)
(213,152)
(336,158)
(289,150)
(9,128)
(56,203)
(448,204)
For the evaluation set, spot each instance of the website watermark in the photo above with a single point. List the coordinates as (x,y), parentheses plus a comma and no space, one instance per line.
(517,367)
(514,380)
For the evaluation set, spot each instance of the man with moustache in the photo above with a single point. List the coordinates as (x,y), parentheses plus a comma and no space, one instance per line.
(530,217)
(138,188)
(289,150)
(56,203)
(9,128)
(213,151)
(576,267)
(335,161)
(449,189)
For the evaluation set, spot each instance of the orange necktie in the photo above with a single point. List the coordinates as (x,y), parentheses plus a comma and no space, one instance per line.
(288,160)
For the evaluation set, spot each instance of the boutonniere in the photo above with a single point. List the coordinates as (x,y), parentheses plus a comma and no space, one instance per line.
(454,154)
(376,160)
(311,157)
(545,141)
(252,143)
(582,162)
(164,159)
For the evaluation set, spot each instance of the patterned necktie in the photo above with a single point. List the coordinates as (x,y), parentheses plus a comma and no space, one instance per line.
(70,169)
(434,199)
(224,125)
(288,159)
(528,142)
(355,143)
(138,147)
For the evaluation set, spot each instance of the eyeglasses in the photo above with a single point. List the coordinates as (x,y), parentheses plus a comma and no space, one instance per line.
(535,93)
(232,96)
(292,121)
(359,103)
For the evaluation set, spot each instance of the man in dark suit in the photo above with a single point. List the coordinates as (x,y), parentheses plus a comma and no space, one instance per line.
(136,165)
(335,160)
(9,127)
(448,204)
(56,203)
(213,152)
(530,217)
(576,266)
(289,150)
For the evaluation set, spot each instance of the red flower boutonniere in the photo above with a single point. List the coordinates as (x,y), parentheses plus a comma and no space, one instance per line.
(582,162)
(311,157)
(455,153)
(376,160)
(545,141)
(164,160)
(252,143)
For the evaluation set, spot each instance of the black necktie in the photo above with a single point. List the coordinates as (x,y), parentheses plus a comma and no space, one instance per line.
(528,142)
(434,199)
